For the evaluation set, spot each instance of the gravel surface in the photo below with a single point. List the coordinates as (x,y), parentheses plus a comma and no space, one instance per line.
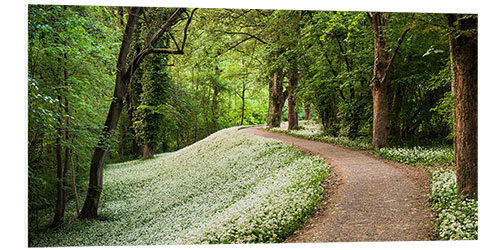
(367,198)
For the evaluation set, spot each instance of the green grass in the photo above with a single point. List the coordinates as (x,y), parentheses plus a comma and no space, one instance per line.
(228,188)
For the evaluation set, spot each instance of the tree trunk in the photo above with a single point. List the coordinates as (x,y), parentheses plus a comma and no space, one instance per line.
(293,120)
(214,108)
(136,149)
(61,171)
(77,203)
(148,151)
(178,145)
(380,81)
(89,209)
(276,101)
(59,212)
(242,105)
(464,51)
(307,112)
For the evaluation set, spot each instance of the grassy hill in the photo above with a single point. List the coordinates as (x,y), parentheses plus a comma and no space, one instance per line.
(228,188)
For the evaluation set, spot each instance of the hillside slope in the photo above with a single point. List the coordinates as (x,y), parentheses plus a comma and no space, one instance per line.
(228,188)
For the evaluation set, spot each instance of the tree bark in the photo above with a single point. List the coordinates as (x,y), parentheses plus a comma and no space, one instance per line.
(380,82)
(77,203)
(242,105)
(89,209)
(61,171)
(276,101)
(214,108)
(123,75)
(148,151)
(59,212)
(464,52)
(307,112)
(293,120)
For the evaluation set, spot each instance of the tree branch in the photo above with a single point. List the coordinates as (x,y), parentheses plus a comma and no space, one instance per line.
(166,26)
(186,28)
(246,34)
(400,40)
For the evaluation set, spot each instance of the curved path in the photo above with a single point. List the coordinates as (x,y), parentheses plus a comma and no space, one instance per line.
(366,198)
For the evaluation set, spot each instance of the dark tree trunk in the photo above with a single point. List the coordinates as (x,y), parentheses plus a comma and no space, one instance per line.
(59,212)
(136,149)
(307,112)
(276,101)
(61,171)
(123,75)
(242,105)
(380,81)
(89,209)
(178,145)
(148,151)
(293,120)
(464,52)
(214,108)
(327,113)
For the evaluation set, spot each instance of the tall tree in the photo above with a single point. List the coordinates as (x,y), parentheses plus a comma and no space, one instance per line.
(463,41)
(277,97)
(125,69)
(293,119)
(380,82)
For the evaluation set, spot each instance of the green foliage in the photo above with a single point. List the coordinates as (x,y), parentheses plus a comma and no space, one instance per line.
(151,114)
(70,72)
(457,216)
(227,188)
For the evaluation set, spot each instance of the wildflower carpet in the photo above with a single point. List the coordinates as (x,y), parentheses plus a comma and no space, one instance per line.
(227,188)
(369,199)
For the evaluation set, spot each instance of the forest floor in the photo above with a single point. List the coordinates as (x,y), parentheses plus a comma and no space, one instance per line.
(367,198)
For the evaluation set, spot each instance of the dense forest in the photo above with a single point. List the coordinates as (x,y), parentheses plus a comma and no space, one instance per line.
(113,84)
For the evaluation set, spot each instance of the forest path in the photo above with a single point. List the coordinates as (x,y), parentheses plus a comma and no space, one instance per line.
(366,198)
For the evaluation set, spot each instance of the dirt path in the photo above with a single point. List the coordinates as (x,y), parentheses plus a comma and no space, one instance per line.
(367,198)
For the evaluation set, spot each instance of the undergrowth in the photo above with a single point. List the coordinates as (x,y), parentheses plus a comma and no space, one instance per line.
(227,188)
(311,130)
(423,156)
(457,216)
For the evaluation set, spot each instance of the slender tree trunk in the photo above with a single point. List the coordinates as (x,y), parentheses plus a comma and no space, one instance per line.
(59,212)
(89,209)
(61,175)
(148,151)
(214,108)
(464,52)
(61,171)
(293,120)
(136,149)
(178,141)
(307,112)
(242,105)
(77,203)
